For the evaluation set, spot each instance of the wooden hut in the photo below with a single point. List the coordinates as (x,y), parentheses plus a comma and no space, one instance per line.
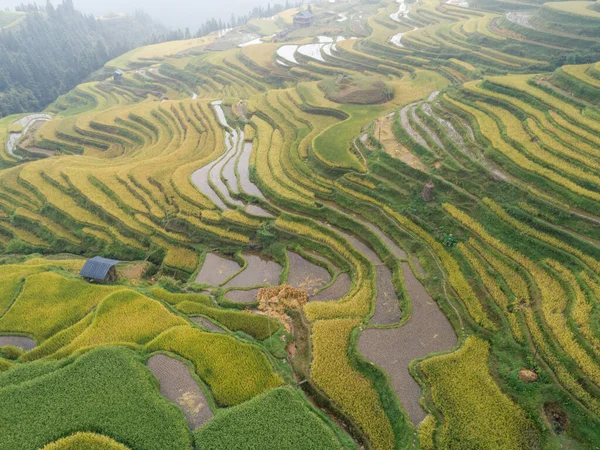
(303,19)
(100,269)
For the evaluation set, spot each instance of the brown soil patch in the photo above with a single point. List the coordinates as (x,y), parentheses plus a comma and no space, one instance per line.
(557,416)
(427,331)
(132,271)
(178,385)
(384,133)
(528,376)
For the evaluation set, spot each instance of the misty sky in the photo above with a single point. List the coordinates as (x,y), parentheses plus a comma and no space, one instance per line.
(173,13)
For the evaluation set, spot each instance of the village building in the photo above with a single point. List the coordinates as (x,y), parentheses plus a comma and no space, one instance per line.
(303,19)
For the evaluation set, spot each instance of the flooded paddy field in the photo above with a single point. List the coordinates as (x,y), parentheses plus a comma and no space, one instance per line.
(427,331)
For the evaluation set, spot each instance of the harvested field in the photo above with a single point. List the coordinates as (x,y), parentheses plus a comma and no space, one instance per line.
(239,296)
(178,385)
(208,324)
(387,310)
(427,331)
(216,270)
(336,291)
(259,271)
(17,341)
(306,275)
(383,132)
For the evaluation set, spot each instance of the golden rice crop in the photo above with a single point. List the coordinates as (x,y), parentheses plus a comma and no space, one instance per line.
(581,309)
(234,371)
(353,393)
(580,72)
(477,414)
(124,317)
(234,215)
(554,300)
(426,431)
(518,285)
(178,257)
(54,227)
(455,276)
(494,290)
(58,340)
(539,115)
(551,142)
(593,263)
(514,129)
(22,234)
(520,83)
(218,230)
(49,303)
(490,130)
(85,440)
(268,167)
(174,299)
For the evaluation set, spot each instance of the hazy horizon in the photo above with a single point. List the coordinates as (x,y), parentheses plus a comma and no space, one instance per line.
(174,13)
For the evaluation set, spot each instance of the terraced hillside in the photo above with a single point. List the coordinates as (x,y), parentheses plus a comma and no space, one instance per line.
(379,231)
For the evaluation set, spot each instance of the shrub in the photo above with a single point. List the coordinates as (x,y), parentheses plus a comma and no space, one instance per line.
(11,352)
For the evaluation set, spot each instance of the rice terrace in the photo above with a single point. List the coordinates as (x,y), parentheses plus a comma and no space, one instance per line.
(347,224)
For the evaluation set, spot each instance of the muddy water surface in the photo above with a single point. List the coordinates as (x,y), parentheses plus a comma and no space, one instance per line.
(238,296)
(259,271)
(178,385)
(387,310)
(336,291)
(216,270)
(427,331)
(17,341)
(209,325)
(305,275)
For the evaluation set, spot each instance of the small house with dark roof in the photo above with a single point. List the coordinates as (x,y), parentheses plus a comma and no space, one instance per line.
(117,75)
(303,19)
(100,269)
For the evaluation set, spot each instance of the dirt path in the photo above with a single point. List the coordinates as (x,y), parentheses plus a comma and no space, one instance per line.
(178,385)
(427,331)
